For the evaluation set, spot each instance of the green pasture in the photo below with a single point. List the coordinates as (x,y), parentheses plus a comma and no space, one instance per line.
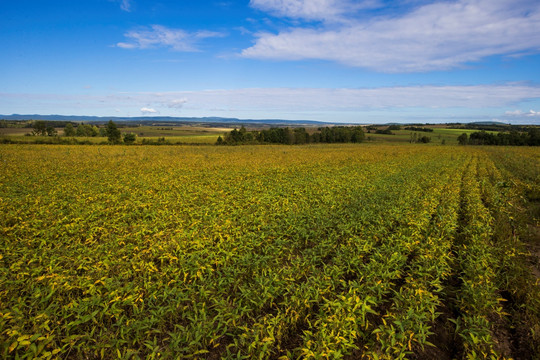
(171,135)
(209,135)
(438,136)
(173,131)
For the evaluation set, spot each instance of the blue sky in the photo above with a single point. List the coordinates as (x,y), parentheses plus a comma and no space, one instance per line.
(363,61)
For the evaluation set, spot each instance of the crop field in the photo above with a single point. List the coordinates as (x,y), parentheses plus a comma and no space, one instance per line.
(178,134)
(198,134)
(187,134)
(15,131)
(208,139)
(438,136)
(356,251)
(173,131)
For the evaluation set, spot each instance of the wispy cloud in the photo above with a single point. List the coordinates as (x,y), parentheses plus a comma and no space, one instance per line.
(161,36)
(437,36)
(328,10)
(401,98)
(520,113)
(147,111)
(367,105)
(125,5)
(176,103)
(314,99)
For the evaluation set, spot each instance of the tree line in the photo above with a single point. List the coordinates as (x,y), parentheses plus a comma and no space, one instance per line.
(531,137)
(285,135)
(416,128)
(111,131)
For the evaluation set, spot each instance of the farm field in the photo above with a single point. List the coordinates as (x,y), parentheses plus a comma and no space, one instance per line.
(353,251)
(186,130)
(439,135)
(195,134)
(172,134)
(175,134)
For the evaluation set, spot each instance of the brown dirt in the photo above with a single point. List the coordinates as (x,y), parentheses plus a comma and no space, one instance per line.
(534,249)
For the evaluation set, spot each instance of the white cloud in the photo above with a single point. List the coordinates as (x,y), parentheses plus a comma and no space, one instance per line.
(423,103)
(311,9)
(124,45)
(176,103)
(515,113)
(475,96)
(161,36)
(146,110)
(435,36)
(401,98)
(479,96)
(125,5)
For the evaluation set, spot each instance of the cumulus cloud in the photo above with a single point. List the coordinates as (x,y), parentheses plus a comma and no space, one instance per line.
(147,110)
(161,36)
(435,36)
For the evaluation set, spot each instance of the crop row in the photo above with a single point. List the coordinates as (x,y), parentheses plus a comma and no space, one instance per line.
(252,252)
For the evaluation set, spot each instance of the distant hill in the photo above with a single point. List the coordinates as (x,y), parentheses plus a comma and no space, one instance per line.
(164,119)
(487,123)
